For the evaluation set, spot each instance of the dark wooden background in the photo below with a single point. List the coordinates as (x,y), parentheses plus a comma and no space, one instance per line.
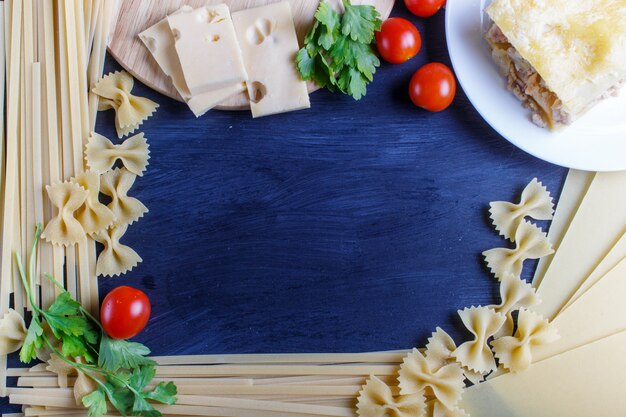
(352,226)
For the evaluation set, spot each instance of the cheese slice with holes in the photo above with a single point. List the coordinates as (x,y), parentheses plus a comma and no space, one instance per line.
(204,102)
(269,43)
(207,48)
(160,42)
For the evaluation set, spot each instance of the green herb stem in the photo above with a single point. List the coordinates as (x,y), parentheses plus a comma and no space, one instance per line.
(83,310)
(119,367)
(93,368)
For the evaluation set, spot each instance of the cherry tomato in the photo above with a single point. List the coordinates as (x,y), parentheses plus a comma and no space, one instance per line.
(398,40)
(433,87)
(124,312)
(424,8)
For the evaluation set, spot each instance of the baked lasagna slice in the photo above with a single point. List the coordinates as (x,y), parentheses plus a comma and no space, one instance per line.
(561,57)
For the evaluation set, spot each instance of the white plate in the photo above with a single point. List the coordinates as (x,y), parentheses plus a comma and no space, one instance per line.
(595,142)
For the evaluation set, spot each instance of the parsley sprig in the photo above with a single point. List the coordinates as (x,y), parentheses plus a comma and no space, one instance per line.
(338,52)
(121,369)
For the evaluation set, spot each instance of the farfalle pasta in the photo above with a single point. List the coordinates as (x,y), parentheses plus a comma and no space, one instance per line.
(438,374)
(12,332)
(114,91)
(93,216)
(116,184)
(474,377)
(535,202)
(435,408)
(439,349)
(101,153)
(531,243)
(515,293)
(439,352)
(64,229)
(416,376)
(116,258)
(83,386)
(515,352)
(376,400)
(61,368)
(483,323)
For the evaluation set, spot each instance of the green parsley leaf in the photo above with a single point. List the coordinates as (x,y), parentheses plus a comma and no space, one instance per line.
(367,65)
(65,318)
(164,392)
(74,346)
(64,305)
(123,399)
(338,52)
(305,63)
(313,33)
(360,22)
(34,340)
(141,407)
(120,398)
(141,377)
(329,23)
(357,86)
(121,379)
(327,16)
(122,354)
(96,403)
(324,75)
(69,325)
(123,370)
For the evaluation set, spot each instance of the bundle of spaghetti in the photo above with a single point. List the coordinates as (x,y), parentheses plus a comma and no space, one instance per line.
(293,385)
(52,257)
(95,66)
(11,213)
(48,53)
(74,52)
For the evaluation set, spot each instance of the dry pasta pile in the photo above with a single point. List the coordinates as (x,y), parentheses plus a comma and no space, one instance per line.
(420,382)
(54,171)
(233,385)
(504,336)
(55,51)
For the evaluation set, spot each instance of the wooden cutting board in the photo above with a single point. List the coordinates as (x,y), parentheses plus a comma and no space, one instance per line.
(137,15)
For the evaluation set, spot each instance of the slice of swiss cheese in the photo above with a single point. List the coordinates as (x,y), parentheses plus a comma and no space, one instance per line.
(207,48)
(160,42)
(268,40)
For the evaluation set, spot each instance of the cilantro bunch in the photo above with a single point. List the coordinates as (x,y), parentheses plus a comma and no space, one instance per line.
(120,368)
(338,52)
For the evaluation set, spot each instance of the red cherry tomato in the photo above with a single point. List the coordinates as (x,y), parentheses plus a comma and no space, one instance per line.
(433,87)
(124,312)
(398,40)
(424,8)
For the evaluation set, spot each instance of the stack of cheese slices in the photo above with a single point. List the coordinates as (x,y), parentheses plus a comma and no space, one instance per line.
(211,55)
